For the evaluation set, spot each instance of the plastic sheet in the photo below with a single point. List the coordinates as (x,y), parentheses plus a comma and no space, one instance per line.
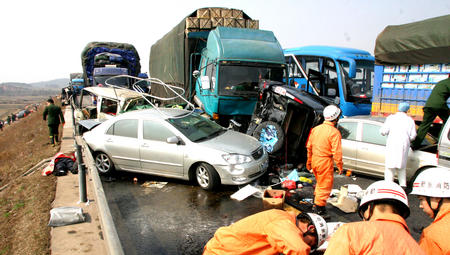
(62,216)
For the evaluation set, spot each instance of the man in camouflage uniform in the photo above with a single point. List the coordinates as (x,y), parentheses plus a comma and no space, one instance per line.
(54,117)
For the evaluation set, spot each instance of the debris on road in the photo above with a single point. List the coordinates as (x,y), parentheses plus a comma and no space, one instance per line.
(154,184)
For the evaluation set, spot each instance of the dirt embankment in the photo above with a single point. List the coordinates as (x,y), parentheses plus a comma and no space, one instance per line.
(25,202)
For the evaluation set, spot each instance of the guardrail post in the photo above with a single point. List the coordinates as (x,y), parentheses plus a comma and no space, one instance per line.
(78,155)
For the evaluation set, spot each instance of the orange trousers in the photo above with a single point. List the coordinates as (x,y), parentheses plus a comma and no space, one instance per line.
(323,170)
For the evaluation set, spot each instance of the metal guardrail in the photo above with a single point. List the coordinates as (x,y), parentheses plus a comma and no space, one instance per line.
(110,233)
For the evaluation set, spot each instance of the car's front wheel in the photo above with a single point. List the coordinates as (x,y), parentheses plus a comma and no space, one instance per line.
(207,177)
(103,163)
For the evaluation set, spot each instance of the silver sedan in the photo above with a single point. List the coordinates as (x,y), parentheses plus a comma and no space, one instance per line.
(179,144)
(363,148)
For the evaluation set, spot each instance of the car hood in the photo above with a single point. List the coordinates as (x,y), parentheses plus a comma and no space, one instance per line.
(233,142)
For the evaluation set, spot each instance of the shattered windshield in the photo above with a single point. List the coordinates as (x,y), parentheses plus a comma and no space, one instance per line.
(116,81)
(360,87)
(238,79)
(138,104)
(196,128)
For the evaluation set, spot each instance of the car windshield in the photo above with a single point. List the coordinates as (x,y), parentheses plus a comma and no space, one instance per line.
(360,87)
(196,128)
(237,79)
(117,81)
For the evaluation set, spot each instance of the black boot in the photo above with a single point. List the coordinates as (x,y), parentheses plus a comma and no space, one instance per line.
(56,139)
(52,141)
(321,210)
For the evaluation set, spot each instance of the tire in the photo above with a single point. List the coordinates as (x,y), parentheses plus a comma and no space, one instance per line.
(278,135)
(104,164)
(207,177)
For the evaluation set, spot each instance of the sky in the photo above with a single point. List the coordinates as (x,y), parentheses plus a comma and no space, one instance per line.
(43,40)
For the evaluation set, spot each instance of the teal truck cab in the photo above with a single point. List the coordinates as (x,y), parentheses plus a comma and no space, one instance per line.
(342,76)
(217,56)
(232,65)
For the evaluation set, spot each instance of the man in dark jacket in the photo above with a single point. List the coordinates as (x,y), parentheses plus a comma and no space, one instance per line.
(54,117)
(436,105)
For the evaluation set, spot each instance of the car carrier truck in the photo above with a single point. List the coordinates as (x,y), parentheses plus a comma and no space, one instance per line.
(410,60)
(229,56)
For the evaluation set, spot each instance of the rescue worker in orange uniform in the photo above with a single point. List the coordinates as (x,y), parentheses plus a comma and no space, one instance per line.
(433,188)
(270,232)
(384,208)
(324,145)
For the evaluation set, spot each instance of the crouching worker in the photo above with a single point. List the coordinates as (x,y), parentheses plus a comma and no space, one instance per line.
(433,188)
(270,232)
(384,209)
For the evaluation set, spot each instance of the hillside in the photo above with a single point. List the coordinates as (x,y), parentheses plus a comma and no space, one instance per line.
(52,87)
(25,203)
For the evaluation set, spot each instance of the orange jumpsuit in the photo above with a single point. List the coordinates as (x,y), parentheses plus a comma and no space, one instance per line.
(268,232)
(385,234)
(435,238)
(324,145)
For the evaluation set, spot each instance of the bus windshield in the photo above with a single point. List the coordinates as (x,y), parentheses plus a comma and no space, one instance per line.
(238,79)
(359,89)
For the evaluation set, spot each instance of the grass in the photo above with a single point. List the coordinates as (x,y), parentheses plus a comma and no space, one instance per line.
(26,202)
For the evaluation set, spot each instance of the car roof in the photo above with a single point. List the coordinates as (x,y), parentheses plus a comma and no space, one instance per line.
(115,93)
(365,117)
(157,112)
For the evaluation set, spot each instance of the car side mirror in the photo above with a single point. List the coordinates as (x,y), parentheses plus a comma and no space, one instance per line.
(196,73)
(172,140)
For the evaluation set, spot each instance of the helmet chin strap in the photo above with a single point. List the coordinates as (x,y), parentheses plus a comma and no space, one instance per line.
(435,211)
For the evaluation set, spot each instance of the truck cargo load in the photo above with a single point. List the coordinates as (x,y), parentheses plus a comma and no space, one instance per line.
(410,59)
(108,56)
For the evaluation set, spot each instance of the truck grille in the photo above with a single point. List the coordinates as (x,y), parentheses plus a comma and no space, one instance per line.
(257,154)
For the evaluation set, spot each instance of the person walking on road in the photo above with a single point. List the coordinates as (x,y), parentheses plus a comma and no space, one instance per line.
(436,105)
(400,130)
(433,188)
(324,145)
(54,117)
(270,232)
(384,208)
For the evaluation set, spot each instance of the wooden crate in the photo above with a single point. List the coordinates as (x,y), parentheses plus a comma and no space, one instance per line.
(204,23)
(240,23)
(215,12)
(253,24)
(217,22)
(229,22)
(227,13)
(238,14)
(192,22)
(203,13)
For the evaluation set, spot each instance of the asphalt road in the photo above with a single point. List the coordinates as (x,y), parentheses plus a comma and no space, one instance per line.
(180,217)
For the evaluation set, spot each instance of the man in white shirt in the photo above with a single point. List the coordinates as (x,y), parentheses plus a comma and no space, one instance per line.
(401,130)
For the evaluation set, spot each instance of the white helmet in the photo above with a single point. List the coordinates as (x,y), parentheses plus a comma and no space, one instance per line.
(385,190)
(432,182)
(331,112)
(320,224)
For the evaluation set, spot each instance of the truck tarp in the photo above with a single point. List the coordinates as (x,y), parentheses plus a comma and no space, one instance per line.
(422,42)
(127,51)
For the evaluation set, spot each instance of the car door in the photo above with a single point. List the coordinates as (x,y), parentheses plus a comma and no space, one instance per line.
(121,143)
(371,149)
(157,155)
(348,131)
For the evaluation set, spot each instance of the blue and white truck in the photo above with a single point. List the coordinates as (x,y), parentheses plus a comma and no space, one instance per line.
(103,60)
(408,65)
(343,76)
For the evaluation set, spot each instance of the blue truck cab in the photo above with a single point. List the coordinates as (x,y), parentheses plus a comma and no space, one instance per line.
(77,85)
(108,74)
(231,67)
(342,76)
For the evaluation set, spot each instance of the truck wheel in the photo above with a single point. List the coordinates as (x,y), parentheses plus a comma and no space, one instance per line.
(270,135)
(207,177)
(103,163)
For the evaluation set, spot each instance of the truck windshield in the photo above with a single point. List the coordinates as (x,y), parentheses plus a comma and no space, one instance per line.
(116,81)
(359,89)
(240,79)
